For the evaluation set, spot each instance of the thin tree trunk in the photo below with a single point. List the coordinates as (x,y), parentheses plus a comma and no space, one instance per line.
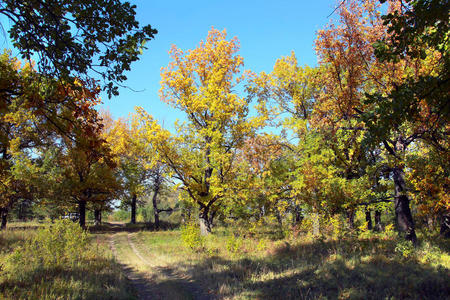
(155,207)
(133,209)
(378,226)
(262,212)
(82,213)
(403,215)
(368,219)
(97,217)
(430,222)
(211,218)
(445,225)
(4,217)
(20,212)
(315,223)
(351,218)
(297,216)
(279,219)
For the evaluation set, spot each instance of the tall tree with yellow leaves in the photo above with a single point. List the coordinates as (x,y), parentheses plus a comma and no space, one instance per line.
(201,83)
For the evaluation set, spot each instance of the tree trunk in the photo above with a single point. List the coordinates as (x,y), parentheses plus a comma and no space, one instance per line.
(97,217)
(368,219)
(205,226)
(279,219)
(155,207)
(297,216)
(430,222)
(133,209)
(20,212)
(4,217)
(315,224)
(378,227)
(403,215)
(262,212)
(211,218)
(351,218)
(82,212)
(445,225)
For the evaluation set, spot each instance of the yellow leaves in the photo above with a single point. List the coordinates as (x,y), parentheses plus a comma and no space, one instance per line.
(200,81)
(286,93)
(14,145)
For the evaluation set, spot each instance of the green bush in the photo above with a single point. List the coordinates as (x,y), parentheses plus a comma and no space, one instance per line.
(63,242)
(59,261)
(192,238)
(405,249)
(234,244)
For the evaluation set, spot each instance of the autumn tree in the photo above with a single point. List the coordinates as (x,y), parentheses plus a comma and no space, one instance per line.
(39,113)
(354,73)
(77,166)
(428,172)
(133,161)
(201,83)
(86,172)
(417,30)
(321,162)
(262,187)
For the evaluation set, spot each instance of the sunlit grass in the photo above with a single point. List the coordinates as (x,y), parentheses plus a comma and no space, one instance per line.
(236,266)
(26,274)
(303,268)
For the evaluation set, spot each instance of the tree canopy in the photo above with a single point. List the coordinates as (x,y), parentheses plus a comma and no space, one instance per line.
(80,39)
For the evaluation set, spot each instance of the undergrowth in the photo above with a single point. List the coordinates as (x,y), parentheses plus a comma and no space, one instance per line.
(337,264)
(58,261)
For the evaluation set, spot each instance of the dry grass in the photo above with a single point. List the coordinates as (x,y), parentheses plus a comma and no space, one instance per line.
(302,268)
(230,266)
(26,274)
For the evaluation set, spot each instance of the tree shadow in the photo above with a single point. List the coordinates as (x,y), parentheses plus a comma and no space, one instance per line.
(100,278)
(347,269)
(106,227)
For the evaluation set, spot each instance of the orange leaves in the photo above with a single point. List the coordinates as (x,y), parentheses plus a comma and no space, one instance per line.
(346,53)
(260,151)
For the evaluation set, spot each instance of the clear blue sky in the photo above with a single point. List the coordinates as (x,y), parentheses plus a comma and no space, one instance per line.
(267,30)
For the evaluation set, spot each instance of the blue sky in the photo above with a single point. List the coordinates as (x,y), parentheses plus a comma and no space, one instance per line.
(267,30)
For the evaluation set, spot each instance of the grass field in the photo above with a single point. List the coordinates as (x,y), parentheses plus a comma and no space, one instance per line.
(159,265)
(30,271)
(240,268)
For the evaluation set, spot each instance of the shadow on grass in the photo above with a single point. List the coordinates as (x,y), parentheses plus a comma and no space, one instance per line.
(98,278)
(348,269)
(128,227)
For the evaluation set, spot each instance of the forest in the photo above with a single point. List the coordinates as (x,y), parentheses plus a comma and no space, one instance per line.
(306,182)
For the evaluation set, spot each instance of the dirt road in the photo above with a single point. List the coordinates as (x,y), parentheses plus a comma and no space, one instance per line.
(151,277)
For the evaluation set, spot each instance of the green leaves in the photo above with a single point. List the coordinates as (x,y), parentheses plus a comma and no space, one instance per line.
(76,38)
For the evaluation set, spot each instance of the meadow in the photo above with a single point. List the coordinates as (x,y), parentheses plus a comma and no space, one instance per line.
(119,262)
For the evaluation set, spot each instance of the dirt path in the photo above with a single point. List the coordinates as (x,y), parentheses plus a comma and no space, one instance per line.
(139,281)
(152,281)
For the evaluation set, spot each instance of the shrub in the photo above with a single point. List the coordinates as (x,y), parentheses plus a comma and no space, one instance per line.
(63,242)
(192,238)
(405,249)
(234,244)
(60,262)
(389,232)
(338,227)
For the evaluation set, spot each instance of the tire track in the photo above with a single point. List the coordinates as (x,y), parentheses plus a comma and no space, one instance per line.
(181,280)
(141,284)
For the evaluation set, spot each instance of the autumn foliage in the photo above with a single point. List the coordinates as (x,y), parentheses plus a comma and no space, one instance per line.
(364,131)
